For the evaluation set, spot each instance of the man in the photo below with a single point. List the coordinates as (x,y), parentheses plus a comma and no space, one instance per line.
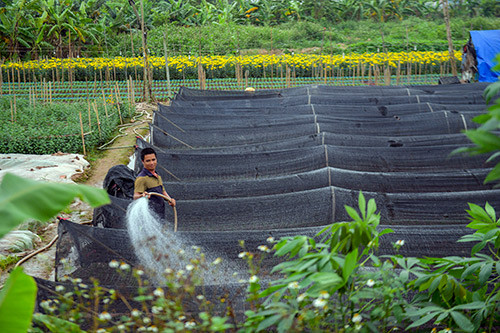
(149,181)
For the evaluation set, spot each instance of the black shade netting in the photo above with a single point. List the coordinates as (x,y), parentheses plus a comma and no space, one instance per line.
(197,166)
(408,90)
(453,121)
(119,182)
(339,99)
(310,208)
(438,123)
(420,241)
(162,142)
(365,111)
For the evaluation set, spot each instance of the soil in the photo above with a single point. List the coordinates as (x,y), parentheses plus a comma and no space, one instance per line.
(118,152)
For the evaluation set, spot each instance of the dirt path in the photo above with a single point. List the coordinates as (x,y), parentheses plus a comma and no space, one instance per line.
(118,152)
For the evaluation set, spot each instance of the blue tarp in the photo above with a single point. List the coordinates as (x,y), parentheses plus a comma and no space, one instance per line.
(487,45)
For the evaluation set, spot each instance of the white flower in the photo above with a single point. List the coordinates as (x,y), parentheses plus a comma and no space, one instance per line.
(101,330)
(156,309)
(270,239)
(400,242)
(293,285)
(189,267)
(301,297)
(242,254)
(146,320)
(180,273)
(324,294)
(181,251)
(319,302)
(189,325)
(217,261)
(121,327)
(357,318)
(124,266)
(82,285)
(158,292)
(200,297)
(263,248)
(77,280)
(253,279)
(181,318)
(153,328)
(447,330)
(60,288)
(114,264)
(169,270)
(105,316)
(139,272)
(135,313)
(370,283)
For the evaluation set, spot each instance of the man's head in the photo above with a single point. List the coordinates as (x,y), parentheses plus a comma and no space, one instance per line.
(148,158)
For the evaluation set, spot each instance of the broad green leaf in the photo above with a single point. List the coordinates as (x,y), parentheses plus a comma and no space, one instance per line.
(422,320)
(285,324)
(493,175)
(491,91)
(470,306)
(22,199)
(326,278)
(17,302)
(485,140)
(462,321)
(268,322)
(352,213)
(485,273)
(56,325)
(350,263)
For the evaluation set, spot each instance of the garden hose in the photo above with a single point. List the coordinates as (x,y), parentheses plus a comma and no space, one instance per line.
(173,207)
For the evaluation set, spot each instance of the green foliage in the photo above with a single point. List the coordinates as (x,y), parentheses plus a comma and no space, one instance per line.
(21,199)
(57,126)
(17,301)
(485,137)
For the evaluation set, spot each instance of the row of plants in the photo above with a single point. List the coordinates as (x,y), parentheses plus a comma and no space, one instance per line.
(186,67)
(47,128)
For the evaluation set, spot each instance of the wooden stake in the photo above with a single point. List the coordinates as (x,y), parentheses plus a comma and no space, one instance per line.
(118,102)
(104,102)
(83,136)
(94,105)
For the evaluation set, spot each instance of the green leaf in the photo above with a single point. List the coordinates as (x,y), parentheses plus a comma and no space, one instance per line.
(56,325)
(17,302)
(350,263)
(493,175)
(462,321)
(485,273)
(362,204)
(352,213)
(285,324)
(485,140)
(268,322)
(491,91)
(326,278)
(422,320)
(21,199)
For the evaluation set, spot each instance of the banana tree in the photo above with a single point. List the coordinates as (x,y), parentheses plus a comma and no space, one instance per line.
(16,25)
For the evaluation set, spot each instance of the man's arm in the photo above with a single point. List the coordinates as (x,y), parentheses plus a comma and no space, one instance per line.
(171,201)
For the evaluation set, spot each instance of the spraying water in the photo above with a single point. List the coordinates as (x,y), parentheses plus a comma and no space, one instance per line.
(158,248)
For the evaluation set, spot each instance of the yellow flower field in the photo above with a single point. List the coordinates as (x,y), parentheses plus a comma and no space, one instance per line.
(216,62)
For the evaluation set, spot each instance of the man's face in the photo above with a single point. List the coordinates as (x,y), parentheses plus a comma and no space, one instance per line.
(150,162)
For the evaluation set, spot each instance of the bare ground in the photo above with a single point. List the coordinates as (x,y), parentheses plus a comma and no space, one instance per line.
(118,152)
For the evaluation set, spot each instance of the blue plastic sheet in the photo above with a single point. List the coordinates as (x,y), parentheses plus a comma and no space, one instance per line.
(487,45)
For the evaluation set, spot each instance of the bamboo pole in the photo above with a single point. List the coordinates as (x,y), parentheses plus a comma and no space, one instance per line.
(1,77)
(94,105)
(50,92)
(104,102)
(83,136)
(118,102)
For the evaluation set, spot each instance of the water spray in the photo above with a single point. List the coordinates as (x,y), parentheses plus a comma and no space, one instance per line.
(169,201)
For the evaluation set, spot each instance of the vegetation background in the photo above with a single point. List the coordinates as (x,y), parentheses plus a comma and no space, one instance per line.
(32,29)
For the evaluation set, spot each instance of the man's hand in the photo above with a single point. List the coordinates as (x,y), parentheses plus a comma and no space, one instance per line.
(172,202)
(147,195)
